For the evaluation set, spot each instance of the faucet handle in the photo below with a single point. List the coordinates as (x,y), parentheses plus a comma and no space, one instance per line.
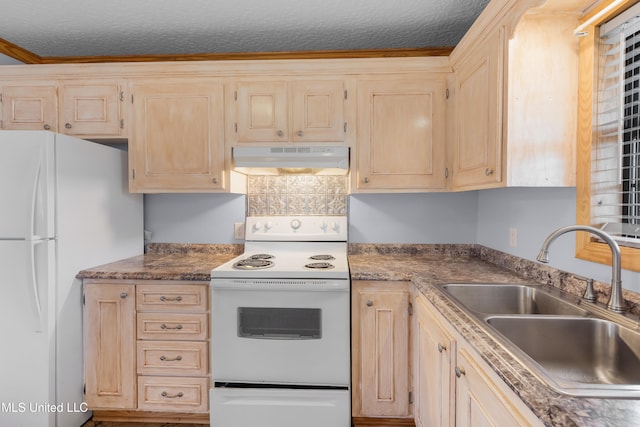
(589,294)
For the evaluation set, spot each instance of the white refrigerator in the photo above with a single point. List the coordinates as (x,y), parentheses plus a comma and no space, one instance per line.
(64,207)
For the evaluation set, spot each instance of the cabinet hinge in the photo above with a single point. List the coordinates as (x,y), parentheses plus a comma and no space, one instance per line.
(235,95)
(345,127)
(410,397)
(410,309)
(133,173)
(121,123)
(346,94)
(84,389)
(0,97)
(132,98)
(235,127)
(446,93)
(121,96)
(446,172)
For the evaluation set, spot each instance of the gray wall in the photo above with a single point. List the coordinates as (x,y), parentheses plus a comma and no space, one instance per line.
(7,60)
(483,217)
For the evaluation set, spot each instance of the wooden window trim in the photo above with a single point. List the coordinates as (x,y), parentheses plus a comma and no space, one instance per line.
(587,249)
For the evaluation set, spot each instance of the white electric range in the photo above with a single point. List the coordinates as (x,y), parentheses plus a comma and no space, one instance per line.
(280,331)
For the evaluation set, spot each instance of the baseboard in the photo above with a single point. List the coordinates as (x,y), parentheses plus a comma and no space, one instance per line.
(382,422)
(151,417)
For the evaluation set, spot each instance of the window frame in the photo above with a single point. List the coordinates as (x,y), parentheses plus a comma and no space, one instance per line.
(586,248)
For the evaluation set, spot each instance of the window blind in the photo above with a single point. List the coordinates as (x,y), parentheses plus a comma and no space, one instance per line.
(615,156)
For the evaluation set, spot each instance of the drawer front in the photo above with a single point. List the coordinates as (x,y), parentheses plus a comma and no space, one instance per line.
(172,326)
(173,358)
(172,297)
(173,394)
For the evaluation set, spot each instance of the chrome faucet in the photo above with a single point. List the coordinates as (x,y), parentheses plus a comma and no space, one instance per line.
(616,302)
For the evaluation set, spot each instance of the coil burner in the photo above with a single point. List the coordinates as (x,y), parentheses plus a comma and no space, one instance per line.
(253,264)
(319,266)
(323,257)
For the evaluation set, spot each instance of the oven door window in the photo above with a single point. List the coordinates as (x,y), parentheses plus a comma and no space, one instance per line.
(279,323)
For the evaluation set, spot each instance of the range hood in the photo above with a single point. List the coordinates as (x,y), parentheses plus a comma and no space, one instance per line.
(288,159)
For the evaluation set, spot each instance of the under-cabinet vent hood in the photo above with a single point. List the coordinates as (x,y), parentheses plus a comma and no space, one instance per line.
(300,159)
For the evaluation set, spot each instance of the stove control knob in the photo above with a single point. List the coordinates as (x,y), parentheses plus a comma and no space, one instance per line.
(335,227)
(257,226)
(295,224)
(323,225)
(268,226)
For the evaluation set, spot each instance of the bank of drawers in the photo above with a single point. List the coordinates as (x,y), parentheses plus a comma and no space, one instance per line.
(172,347)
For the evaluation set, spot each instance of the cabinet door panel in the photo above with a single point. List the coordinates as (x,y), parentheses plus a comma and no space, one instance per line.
(262,114)
(178,139)
(29,108)
(401,143)
(109,346)
(318,111)
(92,109)
(479,88)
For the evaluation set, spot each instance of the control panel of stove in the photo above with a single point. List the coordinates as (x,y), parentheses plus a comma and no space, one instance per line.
(297,228)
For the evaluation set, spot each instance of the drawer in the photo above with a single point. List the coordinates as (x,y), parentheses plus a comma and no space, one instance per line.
(173,358)
(172,297)
(173,394)
(172,326)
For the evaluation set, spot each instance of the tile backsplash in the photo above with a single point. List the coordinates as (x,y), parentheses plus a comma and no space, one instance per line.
(297,195)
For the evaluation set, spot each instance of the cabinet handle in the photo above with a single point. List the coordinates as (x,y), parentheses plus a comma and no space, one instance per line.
(164,326)
(166,359)
(300,133)
(67,125)
(123,295)
(369,303)
(47,127)
(165,299)
(171,396)
(366,180)
(488,171)
(459,371)
(441,348)
(280,133)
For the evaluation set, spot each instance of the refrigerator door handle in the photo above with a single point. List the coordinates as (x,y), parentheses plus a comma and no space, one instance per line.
(34,202)
(32,286)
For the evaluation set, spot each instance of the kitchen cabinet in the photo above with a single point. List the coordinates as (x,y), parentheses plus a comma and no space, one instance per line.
(177,143)
(89,109)
(147,349)
(516,96)
(434,386)
(380,351)
(109,346)
(401,135)
(290,111)
(464,391)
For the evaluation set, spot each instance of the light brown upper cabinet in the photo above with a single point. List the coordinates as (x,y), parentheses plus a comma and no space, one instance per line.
(401,135)
(90,109)
(290,111)
(178,139)
(516,98)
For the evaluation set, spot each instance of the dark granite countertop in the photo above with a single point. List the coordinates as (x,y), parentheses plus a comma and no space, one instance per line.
(427,266)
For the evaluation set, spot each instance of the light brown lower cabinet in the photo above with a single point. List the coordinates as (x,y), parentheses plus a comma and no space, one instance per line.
(463,391)
(381,370)
(146,351)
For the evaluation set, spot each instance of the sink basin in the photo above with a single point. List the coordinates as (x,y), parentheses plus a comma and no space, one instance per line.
(497,298)
(576,355)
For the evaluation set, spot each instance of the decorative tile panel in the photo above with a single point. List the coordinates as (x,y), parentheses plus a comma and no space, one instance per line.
(297,195)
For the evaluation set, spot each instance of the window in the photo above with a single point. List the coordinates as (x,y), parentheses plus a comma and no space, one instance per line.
(609,135)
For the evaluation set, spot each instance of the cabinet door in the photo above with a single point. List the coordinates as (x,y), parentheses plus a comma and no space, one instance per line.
(178,137)
(317,110)
(478,150)
(401,135)
(433,370)
(110,346)
(262,112)
(91,109)
(29,108)
(382,341)
(478,401)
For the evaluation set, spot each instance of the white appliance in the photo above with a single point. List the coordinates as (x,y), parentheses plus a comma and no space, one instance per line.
(313,159)
(280,331)
(64,207)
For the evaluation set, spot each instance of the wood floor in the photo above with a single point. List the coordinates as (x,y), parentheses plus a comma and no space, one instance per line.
(92,423)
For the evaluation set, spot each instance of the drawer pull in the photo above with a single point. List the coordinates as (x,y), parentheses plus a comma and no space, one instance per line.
(171,396)
(166,359)
(165,299)
(441,348)
(164,326)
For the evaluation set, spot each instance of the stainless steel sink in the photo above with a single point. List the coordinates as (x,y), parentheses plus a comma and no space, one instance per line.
(575,355)
(497,298)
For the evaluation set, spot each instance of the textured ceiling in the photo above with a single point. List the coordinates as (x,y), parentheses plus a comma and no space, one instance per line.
(149,27)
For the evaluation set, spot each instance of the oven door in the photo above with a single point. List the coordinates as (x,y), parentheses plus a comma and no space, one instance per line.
(281,332)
